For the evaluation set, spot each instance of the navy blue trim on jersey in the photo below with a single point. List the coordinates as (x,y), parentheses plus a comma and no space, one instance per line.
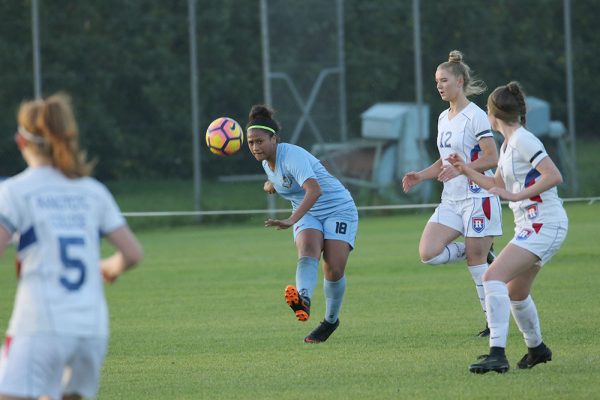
(483,133)
(535,156)
(27,238)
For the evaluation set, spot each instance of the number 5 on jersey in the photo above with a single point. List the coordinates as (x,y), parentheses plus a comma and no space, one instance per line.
(71,263)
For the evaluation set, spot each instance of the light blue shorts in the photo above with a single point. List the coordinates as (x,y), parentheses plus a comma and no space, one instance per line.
(340,225)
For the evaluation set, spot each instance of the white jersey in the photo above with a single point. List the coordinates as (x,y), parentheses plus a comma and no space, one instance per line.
(518,159)
(59,222)
(461,135)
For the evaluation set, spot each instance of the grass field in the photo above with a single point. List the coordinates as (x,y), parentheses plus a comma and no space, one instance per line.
(204,318)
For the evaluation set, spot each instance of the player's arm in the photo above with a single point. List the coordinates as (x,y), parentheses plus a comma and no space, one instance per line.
(484,181)
(488,157)
(550,176)
(413,178)
(129,253)
(5,237)
(312,191)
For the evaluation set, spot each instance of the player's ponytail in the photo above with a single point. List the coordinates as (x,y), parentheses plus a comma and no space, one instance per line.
(508,103)
(54,133)
(261,117)
(457,67)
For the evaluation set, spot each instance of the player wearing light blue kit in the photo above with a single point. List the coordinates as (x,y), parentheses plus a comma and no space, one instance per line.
(58,332)
(324,219)
(293,165)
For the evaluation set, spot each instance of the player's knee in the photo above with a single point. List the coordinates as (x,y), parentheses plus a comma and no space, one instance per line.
(433,259)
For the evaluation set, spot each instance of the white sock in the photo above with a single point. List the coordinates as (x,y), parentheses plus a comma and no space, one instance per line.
(454,251)
(306,275)
(497,304)
(334,295)
(477,272)
(525,314)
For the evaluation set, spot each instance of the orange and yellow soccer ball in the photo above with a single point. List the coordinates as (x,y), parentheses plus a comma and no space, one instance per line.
(224,136)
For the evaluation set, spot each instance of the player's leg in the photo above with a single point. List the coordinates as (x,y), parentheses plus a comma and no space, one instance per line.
(82,376)
(482,220)
(308,237)
(526,316)
(32,366)
(335,257)
(544,241)
(309,243)
(476,250)
(437,245)
(510,263)
(340,232)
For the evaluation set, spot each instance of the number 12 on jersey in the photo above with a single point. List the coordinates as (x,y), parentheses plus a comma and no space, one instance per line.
(445,139)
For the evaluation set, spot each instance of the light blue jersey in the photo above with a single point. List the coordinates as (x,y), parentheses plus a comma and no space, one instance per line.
(293,166)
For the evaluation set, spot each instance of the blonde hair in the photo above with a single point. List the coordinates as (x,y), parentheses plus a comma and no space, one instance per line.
(52,121)
(507,103)
(457,67)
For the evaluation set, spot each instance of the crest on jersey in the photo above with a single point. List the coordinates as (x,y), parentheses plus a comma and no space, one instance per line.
(286,181)
(524,234)
(473,187)
(532,211)
(478,224)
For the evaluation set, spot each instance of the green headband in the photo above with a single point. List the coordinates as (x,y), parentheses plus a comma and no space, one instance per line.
(266,128)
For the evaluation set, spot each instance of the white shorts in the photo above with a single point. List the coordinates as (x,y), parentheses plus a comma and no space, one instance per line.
(474,217)
(49,365)
(340,225)
(543,240)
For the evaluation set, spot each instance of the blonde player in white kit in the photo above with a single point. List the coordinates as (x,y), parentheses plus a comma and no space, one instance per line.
(58,333)
(466,209)
(527,177)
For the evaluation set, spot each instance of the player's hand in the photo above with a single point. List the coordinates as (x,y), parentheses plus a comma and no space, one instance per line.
(457,162)
(108,275)
(268,187)
(279,224)
(503,193)
(448,172)
(409,180)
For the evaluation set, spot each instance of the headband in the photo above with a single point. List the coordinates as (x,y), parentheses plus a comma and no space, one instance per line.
(30,136)
(266,128)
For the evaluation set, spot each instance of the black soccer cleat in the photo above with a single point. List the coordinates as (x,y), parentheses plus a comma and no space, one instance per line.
(491,256)
(322,332)
(534,356)
(485,332)
(298,303)
(488,362)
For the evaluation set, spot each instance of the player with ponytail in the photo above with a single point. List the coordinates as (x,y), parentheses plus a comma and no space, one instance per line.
(527,178)
(59,322)
(324,218)
(466,209)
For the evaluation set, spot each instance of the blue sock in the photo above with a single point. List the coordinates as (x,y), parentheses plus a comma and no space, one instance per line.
(334,295)
(306,275)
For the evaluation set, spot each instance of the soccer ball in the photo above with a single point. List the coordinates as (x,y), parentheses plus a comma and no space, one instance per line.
(224,136)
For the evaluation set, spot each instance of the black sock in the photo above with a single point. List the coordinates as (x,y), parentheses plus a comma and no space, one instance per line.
(497,351)
(537,349)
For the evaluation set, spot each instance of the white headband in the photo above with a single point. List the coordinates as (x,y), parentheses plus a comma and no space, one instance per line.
(30,136)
